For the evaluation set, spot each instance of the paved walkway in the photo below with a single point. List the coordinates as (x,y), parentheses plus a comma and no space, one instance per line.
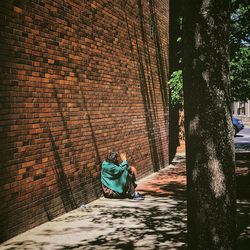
(158,222)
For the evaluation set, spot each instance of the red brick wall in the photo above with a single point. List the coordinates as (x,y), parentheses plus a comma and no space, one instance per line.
(77,78)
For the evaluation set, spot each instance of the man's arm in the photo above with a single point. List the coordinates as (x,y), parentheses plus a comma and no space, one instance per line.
(131,169)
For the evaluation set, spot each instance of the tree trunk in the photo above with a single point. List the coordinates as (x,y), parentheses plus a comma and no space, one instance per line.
(174,64)
(173,130)
(208,128)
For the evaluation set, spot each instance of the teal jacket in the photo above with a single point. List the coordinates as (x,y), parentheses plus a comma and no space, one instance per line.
(113,176)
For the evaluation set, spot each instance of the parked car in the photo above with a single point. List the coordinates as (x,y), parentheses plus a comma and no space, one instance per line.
(238,125)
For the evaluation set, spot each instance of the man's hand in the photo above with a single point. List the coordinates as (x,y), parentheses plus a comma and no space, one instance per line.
(133,170)
(123,156)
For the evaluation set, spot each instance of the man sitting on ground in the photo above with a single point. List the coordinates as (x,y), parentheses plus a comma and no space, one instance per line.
(118,180)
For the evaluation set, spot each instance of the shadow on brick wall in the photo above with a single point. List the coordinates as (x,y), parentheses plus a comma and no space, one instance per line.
(147,82)
(67,191)
(84,108)
(7,145)
(161,58)
(63,184)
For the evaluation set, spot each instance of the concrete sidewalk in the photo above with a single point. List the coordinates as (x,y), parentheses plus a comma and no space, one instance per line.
(158,222)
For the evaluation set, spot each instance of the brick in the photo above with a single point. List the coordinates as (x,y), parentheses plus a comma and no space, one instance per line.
(71,90)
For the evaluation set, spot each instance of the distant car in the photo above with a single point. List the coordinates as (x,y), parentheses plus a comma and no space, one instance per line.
(238,125)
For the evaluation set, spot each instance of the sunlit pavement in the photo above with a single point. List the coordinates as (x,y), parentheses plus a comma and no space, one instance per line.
(242,140)
(158,222)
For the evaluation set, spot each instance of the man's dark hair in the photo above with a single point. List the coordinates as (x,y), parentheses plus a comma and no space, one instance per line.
(112,157)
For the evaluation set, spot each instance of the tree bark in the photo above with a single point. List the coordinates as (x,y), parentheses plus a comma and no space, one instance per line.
(174,64)
(173,130)
(208,128)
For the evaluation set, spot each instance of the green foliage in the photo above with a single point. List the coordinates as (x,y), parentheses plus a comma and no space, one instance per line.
(240,68)
(239,25)
(239,55)
(176,87)
(240,50)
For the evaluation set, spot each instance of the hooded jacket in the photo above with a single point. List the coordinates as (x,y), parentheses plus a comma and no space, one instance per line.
(114,176)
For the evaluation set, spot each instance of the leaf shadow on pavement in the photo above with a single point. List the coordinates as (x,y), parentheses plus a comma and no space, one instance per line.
(158,222)
(243,204)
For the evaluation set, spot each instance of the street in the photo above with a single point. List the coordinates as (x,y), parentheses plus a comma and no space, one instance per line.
(242,144)
(242,140)
(243,136)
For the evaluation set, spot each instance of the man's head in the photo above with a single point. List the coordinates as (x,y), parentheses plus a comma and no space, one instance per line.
(113,157)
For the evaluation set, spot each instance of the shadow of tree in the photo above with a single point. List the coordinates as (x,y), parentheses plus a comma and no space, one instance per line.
(160,226)
(64,186)
(238,136)
(243,223)
(71,195)
(158,222)
(243,204)
(142,56)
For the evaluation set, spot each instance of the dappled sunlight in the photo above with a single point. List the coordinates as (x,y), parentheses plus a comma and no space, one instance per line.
(243,203)
(154,223)
(158,222)
(194,124)
(243,225)
(217,178)
(168,181)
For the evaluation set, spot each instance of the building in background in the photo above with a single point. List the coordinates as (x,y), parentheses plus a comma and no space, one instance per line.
(242,110)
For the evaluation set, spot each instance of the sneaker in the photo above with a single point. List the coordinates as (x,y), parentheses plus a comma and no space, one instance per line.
(137,197)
